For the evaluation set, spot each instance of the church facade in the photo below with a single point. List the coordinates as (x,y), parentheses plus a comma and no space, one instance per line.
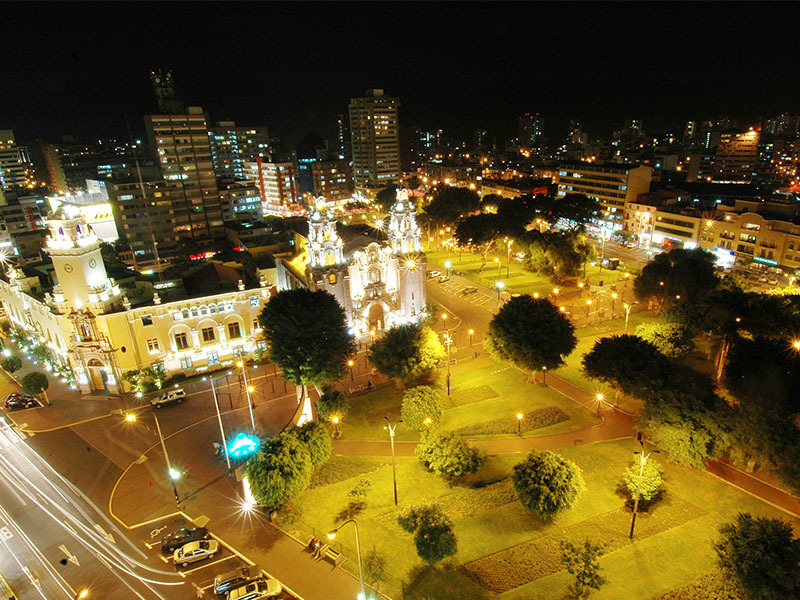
(379,283)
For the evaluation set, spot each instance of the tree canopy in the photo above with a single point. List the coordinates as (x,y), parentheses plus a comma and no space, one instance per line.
(547,483)
(433,532)
(532,333)
(386,198)
(558,255)
(627,362)
(448,455)
(316,438)
(34,383)
(573,210)
(332,403)
(671,339)
(649,485)
(761,556)
(422,407)
(280,470)
(450,204)
(307,335)
(407,352)
(677,276)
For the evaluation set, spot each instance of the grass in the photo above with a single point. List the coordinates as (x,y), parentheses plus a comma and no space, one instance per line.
(339,468)
(672,548)
(484,394)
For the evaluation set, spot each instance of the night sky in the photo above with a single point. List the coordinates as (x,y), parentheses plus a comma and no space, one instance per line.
(77,68)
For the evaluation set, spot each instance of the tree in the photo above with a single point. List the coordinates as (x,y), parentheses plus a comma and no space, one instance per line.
(547,483)
(374,567)
(332,403)
(308,336)
(581,561)
(677,276)
(761,555)
(34,383)
(649,485)
(532,333)
(627,362)
(386,198)
(360,490)
(11,363)
(480,230)
(316,438)
(671,339)
(159,375)
(765,371)
(433,532)
(450,204)
(422,407)
(449,455)
(407,353)
(573,210)
(5,326)
(280,470)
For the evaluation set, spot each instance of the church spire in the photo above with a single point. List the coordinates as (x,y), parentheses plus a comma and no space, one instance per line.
(404,233)
(325,247)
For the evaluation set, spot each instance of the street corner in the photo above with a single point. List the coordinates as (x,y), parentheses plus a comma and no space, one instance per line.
(140,494)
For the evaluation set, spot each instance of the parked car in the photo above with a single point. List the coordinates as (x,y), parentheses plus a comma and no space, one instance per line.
(469,290)
(434,273)
(176,396)
(257,590)
(179,537)
(17,401)
(444,278)
(225,582)
(195,551)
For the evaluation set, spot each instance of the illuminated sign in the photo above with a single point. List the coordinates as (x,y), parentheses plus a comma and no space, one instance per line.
(766,261)
(243,445)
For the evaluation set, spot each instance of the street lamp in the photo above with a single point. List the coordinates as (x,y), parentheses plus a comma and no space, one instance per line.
(628,308)
(599,397)
(391,429)
(336,432)
(248,389)
(351,363)
(447,265)
(332,534)
(520,416)
(500,285)
(82,594)
(172,473)
(472,331)
(219,418)
(642,462)
(499,267)
(580,288)
(588,306)
(795,344)
(613,303)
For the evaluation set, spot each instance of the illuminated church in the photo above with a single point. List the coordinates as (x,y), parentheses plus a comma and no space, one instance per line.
(379,282)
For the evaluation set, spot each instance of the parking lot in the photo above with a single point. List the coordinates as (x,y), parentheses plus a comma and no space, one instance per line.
(466,290)
(199,575)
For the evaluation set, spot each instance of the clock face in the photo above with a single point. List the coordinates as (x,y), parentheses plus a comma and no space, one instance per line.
(92,264)
(68,268)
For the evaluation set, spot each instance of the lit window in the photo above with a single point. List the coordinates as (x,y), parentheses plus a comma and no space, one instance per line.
(181,341)
(186,364)
(253,300)
(234,331)
(152,345)
(208,334)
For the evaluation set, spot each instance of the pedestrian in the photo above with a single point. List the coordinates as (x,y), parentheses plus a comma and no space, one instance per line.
(317,548)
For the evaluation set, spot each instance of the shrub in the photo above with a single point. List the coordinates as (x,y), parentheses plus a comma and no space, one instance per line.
(317,440)
(449,455)
(407,352)
(5,325)
(547,482)
(34,382)
(11,363)
(332,404)
(433,532)
(422,407)
(671,339)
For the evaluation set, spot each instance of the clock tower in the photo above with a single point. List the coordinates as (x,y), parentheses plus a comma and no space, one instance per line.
(82,281)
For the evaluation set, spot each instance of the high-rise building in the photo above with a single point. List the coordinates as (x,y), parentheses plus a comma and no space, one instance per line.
(232,146)
(70,162)
(737,156)
(333,179)
(277,182)
(531,129)
(480,139)
(15,162)
(343,138)
(183,150)
(164,88)
(374,129)
(689,131)
(241,202)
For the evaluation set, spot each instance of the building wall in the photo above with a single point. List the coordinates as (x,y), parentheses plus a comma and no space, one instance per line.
(232,146)
(374,131)
(737,157)
(333,180)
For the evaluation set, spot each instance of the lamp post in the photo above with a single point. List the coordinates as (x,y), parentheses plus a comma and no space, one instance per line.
(351,363)
(472,331)
(642,462)
(628,308)
(500,285)
(499,267)
(219,418)
(332,534)
(447,265)
(391,429)
(336,432)
(520,416)
(447,341)
(171,473)
(247,391)
(599,397)
(580,288)
(588,306)
(613,303)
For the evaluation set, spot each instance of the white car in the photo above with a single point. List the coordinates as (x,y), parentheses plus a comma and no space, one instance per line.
(194,551)
(257,590)
(176,396)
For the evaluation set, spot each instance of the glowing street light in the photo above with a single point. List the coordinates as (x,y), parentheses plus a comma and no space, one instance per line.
(500,285)
(520,416)
(599,397)
(351,363)
(472,331)
(448,265)
(332,535)
(82,594)
(796,344)
(588,306)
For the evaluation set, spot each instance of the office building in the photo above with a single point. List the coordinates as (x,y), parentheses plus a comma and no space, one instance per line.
(343,137)
(531,130)
(736,158)
(333,180)
(232,146)
(374,130)
(241,202)
(611,185)
(183,150)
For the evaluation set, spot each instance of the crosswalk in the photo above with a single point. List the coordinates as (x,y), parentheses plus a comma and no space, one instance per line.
(479,298)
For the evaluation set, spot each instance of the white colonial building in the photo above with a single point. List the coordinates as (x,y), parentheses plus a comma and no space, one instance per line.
(379,282)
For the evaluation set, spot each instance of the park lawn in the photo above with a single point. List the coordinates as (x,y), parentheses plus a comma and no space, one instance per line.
(673,543)
(482,390)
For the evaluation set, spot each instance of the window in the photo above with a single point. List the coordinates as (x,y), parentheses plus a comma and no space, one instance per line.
(261,345)
(254,301)
(176,316)
(213,358)
(256,325)
(229,307)
(185,313)
(208,334)
(204,310)
(213,309)
(220,307)
(152,345)
(186,364)
(181,341)
(147,320)
(194,311)
(234,331)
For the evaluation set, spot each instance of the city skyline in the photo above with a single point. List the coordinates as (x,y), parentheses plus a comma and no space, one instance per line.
(453,70)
